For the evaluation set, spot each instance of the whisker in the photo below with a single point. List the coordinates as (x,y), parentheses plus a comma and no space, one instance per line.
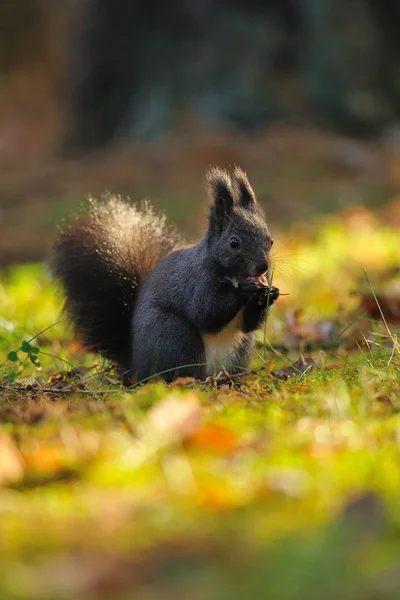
(288,268)
(291,241)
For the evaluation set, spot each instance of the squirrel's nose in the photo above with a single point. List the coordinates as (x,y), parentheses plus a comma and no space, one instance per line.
(261,267)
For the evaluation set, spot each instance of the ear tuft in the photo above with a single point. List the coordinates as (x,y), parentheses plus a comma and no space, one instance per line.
(243,188)
(219,187)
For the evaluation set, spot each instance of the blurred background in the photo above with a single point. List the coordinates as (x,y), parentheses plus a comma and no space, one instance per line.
(140,97)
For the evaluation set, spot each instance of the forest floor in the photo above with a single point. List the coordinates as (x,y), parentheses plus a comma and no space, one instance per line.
(284,484)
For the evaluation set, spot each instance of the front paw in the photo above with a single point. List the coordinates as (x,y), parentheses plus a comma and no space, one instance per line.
(249,289)
(269,296)
(265,294)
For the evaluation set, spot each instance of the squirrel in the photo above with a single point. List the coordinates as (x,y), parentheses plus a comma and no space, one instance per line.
(156,307)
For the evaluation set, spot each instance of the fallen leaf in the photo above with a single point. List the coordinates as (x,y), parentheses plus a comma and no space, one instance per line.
(224,388)
(182,381)
(112,380)
(384,399)
(214,439)
(388,303)
(175,416)
(297,369)
(74,347)
(319,333)
(44,459)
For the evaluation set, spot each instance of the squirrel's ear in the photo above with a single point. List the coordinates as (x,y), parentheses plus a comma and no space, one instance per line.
(244,190)
(221,195)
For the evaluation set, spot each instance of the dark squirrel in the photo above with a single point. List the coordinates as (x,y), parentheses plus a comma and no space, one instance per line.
(145,301)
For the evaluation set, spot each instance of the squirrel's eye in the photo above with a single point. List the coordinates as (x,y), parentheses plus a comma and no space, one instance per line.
(234,242)
(272,243)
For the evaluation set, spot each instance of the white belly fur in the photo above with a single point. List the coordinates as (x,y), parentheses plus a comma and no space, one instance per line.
(220,347)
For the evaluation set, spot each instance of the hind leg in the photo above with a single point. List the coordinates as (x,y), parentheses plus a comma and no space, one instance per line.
(171,348)
(240,361)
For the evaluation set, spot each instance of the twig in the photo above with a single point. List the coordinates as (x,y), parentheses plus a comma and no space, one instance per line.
(228,377)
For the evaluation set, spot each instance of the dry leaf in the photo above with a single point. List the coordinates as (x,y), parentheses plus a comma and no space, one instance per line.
(384,399)
(224,388)
(182,381)
(316,333)
(388,303)
(112,380)
(297,370)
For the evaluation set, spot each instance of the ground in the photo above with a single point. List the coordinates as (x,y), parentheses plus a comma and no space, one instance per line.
(283,485)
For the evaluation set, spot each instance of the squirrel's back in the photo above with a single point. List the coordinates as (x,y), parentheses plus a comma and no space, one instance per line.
(101,259)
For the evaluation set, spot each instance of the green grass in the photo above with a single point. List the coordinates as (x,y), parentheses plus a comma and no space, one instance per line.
(277,489)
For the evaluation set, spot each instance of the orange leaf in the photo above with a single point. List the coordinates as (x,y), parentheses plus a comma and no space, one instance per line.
(44,460)
(214,439)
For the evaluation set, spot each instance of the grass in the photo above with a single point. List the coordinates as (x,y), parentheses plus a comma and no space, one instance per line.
(285,486)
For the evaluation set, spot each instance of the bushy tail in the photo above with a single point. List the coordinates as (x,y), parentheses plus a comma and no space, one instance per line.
(101,259)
